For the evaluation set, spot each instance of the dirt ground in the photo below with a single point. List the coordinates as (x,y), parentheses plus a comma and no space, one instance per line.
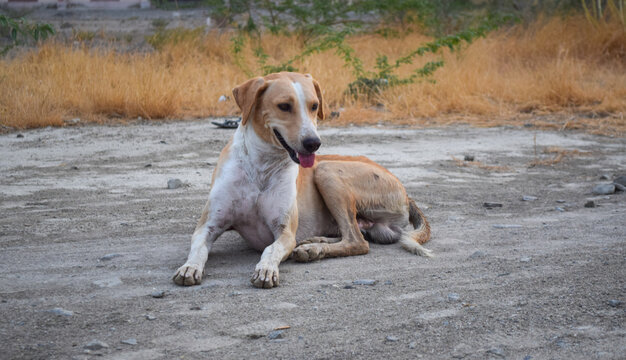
(89,234)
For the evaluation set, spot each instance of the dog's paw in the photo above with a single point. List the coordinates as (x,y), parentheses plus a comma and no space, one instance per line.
(188,275)
(315,240)
(308,252)
(265,276)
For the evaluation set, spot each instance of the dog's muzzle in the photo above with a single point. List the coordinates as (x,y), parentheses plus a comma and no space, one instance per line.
(310,144)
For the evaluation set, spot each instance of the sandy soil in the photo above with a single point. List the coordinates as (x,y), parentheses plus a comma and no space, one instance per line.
(89,231)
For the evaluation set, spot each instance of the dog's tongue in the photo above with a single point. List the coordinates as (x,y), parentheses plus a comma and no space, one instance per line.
(306,161)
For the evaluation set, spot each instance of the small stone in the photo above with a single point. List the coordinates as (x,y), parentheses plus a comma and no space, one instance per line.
(527,357)
(412,345)
(496,351)
(391,338)
(619,187)
(19,136)
(335,114)
(147,165)
(234,293)
(348,287)
(603,189)
(275,334)
(108,257)
(561,201)
(590,204)
(605,177)
(195,308)
(525,259)
(559,209)
(529,198)
(131,341)
(174,184)
(506,226)
(365,282)
(468,158)
(614,303)
(491,205)
(157,294)
(222,98)
(96,345)
(61,312)
(388,282)
(74,167)
(453,297)
(150,317)
(162,142)
(477,254)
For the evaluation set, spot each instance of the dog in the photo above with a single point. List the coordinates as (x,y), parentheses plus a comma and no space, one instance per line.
(284,200)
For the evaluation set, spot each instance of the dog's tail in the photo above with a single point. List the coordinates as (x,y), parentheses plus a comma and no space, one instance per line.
(412,240)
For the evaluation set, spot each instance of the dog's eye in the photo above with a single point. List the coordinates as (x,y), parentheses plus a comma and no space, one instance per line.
(314,107)
(284,107)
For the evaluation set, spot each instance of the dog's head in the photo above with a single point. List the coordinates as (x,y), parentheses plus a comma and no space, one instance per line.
(283,109)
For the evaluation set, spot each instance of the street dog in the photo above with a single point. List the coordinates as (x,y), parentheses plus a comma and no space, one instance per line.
(284,200)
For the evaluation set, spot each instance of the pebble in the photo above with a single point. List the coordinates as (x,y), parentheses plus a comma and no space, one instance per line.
(348,287)
(527,357)
(157,294)
(468,158)
(590,204)
(477,254)
(174,183)
(365,282)
(147,165)
(150,317)
(559,209)
(453,297)
(603,189)
(491,205)
(561,201)
(614,303)
(412,345)
(525,259)
(506,226)
(619,187)
(335,114)
(621,180)
(19,136)
(496,351)
(529,198)
(61,312)
(96,345)
(605,177)
(222,98)
(388,282)
(235,293)
(108,257)
(131,341)
(275,334)
(391,338)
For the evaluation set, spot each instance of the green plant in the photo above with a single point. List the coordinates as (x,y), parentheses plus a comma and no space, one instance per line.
(20,31)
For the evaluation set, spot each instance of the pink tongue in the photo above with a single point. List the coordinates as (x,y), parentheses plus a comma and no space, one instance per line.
(306,161)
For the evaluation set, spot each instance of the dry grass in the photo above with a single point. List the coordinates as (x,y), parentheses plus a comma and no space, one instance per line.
(558,155)
(524,74)
(479,165)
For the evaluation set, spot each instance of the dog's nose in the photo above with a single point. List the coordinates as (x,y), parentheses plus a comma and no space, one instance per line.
(311,144)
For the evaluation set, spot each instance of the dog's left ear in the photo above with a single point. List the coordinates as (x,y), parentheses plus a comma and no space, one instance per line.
(247,94)
(320,108)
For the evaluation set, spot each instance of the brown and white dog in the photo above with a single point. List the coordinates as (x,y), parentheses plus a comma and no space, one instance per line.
(272,189)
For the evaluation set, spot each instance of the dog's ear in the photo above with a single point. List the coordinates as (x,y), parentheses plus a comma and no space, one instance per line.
(247,94)
(320,108)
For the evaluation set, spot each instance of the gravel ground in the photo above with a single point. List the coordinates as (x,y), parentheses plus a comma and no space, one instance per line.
(90,236)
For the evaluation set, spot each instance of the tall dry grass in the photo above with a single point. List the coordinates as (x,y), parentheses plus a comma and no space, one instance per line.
(553,66)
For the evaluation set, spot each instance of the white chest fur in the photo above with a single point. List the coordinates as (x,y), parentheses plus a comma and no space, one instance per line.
(255,189)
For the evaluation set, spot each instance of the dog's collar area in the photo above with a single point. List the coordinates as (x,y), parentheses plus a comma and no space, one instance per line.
(292,152)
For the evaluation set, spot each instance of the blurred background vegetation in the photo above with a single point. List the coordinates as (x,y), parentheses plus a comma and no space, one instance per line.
(552,63)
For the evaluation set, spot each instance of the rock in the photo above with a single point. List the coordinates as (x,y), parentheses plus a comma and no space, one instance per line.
(174,184)
(388,282)
(61,312)
(195,308)
(621,180)
(412,345)
(619,187)
(491,205)
(147,165)
(497,352)
(468,158)
(614,303)
(157,294)
(391,338)
(529,198)
(605,177)
(590,204)
(527,357)
(506,226)
(335,114)
(110,282)
(131,341)
(453,297)
(235,293)
(603,189)
(525,259)
(73,121)
(561,201)
(348,287)
(275,334)
(222,98)
(365,282)
(150,317)
(96,345)
(559,209)
(108,257)
(477,254)
(19,136)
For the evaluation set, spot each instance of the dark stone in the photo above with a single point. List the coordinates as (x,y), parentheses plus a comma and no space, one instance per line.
(492,205)
(468,158)
(590,204)
(19,136)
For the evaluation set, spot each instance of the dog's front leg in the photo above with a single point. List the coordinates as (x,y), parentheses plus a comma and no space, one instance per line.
(202,239)
(266,272)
